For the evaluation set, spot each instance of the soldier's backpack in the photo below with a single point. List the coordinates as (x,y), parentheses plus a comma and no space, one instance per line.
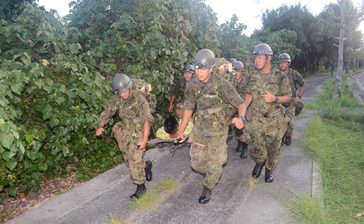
(146,90)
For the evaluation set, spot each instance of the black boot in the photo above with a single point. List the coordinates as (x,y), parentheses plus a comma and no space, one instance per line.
(283,141)
(269,175)
(288,140)
(205,196)
(244,150)
(148,170)
(258,169)
(139,192)
(239,146)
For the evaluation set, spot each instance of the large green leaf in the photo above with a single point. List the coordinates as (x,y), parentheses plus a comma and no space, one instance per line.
(11,164)
(6,139)
(17,88)
(8,155)
(12,191)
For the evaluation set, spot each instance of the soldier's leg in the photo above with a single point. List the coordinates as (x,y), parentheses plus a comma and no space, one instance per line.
(197,154)
(272,157)
(217,156)
(289,132)
(137,170)
(116,130)
(258,152)
(244,139)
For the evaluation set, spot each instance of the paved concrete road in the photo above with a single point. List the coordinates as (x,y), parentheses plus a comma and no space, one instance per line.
(233,201)
(356,84)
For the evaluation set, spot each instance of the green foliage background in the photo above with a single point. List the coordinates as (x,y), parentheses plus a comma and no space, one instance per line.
(56,72)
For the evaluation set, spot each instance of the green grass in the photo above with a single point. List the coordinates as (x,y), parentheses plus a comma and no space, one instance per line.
(335,138)
(308,211)
(340,153)
(154,197)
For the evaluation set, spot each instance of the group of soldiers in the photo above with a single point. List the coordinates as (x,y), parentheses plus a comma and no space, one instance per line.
(214,93)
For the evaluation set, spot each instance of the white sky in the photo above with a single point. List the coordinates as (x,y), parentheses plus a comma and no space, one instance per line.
(248,12)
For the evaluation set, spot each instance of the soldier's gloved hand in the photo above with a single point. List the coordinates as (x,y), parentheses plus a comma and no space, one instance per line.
(238,122)
(99,132)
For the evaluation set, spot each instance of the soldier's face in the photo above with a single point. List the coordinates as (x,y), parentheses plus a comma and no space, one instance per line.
(238,75)
(187,76)
(283,66)
(203,74)
(261,61)
(125,95)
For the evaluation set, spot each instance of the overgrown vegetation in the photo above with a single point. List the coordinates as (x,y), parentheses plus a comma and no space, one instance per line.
(55,72)
(335,139)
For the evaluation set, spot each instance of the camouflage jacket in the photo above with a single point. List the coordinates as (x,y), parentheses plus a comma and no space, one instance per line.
(210,100)
(133,112)
(295,81)
(179,89)
(241,85)
(140,86)
(275,82)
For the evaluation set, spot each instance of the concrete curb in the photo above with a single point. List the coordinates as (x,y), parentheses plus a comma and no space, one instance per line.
(63,204)
(356,87)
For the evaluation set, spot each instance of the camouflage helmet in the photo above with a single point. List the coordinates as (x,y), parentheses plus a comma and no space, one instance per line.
(284,57)
(238,66)
(189,68)
(120,83)
(262,49)
(232,60)
(204,58)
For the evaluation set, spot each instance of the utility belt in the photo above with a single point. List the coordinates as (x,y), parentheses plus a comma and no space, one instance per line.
(209,111)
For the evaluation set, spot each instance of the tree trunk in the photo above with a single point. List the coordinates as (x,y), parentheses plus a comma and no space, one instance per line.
(339,71)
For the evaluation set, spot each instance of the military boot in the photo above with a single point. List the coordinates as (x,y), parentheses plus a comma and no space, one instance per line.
(257,170)
(288,140)
(269,175)
(141,189)
(148,170)
(239,147)
(244,150)
(205,196)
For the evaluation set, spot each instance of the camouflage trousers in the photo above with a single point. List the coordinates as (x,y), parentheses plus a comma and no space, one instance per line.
(208,155)
(290,113)
(266,134)
(290,127)
(265,148)
(243,135)
(133,157)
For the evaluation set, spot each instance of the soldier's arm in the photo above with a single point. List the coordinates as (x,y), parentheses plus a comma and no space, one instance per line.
(188,105)
(285,92)
(301,83)
(187,114)
(148,120)
(110,110)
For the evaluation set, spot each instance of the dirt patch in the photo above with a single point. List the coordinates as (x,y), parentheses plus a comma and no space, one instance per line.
(12,207)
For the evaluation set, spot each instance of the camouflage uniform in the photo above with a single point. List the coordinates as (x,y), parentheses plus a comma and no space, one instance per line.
(140,86)
(240,86)
(267,122)
(133,112)
(178,92)
(230,111)
(295,81)
(209,150)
